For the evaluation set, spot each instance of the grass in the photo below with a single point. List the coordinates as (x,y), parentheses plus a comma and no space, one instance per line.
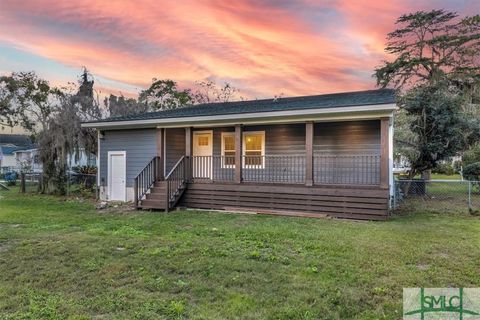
(62,259)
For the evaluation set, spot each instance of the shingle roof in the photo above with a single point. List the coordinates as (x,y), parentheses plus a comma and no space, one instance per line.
(15,139)
(344,99)
(9,149)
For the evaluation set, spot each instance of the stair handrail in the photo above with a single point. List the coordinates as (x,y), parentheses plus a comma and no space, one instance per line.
(175,183)
(145,180)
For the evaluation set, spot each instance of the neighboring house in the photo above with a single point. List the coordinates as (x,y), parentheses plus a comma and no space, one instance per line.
(309,156)
(31,156)
(7,157)
(9,144)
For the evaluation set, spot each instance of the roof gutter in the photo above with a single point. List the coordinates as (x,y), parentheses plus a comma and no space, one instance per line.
(368,111)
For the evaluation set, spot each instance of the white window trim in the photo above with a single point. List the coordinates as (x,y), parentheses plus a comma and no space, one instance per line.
(262,133)
(109,154)
(226,134)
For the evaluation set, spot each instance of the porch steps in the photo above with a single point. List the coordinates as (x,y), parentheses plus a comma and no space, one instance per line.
(156,199)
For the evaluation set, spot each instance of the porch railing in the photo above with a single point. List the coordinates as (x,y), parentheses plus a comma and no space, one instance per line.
(354,169)
(327,169)
(217,168)
(274,169)
(176,181)
(145,180)
(270,169)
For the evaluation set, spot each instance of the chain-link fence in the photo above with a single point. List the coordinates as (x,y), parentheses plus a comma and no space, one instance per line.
(76,184)
(437,195)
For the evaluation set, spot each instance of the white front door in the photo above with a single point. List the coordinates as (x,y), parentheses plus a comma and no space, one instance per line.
(117,175)
(202,154)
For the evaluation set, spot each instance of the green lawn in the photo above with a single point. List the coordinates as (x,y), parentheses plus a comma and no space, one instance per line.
(63,259)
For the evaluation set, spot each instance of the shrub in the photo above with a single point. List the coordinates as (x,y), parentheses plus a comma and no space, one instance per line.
(85,169)
(10,178)
(471,156)
(444,168)
(472,172)
(457,166)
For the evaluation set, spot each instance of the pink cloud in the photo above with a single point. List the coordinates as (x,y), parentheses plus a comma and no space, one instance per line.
(259,46)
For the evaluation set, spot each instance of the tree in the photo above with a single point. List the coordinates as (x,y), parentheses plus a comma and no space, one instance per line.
(438,124)
(119,106)
(431,47)
(63,136)
(208,92)
(164,95)
(437,73)
(28,101)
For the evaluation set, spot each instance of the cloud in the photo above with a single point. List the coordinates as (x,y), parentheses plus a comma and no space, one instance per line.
(263,47)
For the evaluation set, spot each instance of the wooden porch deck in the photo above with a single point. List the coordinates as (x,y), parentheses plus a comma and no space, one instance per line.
(358,202)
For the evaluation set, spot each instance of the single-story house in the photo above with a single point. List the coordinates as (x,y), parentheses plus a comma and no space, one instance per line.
(7,156)
(9,144)
(309,156)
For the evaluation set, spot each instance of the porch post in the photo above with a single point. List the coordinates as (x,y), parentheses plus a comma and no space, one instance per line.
(188,153)
(309,153)
(238,153)
(160,153)
(384,152)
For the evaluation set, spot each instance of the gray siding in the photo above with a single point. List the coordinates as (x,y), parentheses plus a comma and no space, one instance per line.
(140,146)
(175,147)
(280,140)
(347,152)
(288,139)
(347,138)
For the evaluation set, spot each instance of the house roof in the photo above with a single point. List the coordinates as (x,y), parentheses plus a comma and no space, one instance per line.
(9,149)
(15,139)
(335,100)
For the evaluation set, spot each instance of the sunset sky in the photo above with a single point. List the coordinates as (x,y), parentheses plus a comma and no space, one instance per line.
(264,48)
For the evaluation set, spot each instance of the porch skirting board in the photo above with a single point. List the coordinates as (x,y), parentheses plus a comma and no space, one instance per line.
(341,202)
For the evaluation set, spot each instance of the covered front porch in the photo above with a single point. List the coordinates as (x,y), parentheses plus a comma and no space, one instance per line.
(260,166)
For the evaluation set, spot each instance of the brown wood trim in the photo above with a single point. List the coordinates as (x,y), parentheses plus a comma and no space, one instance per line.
(274,203)
(312,197)
(309,153)
(188,142)
(161,153)
(188,153)
(238,153)
(384,152)
(351,203)
(293,189)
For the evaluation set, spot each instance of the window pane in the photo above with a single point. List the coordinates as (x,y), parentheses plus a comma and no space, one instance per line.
(253,141)
(229,143)
(203,140)
(229,159)
(253,158)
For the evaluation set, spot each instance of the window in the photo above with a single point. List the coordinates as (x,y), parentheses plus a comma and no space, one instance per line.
(254,149)
(203,141)
(228,149)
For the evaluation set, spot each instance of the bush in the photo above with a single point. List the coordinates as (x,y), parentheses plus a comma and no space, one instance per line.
(457,166)
(10,178)
(472,172)
(471,156)
(85,169)
(444,168)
